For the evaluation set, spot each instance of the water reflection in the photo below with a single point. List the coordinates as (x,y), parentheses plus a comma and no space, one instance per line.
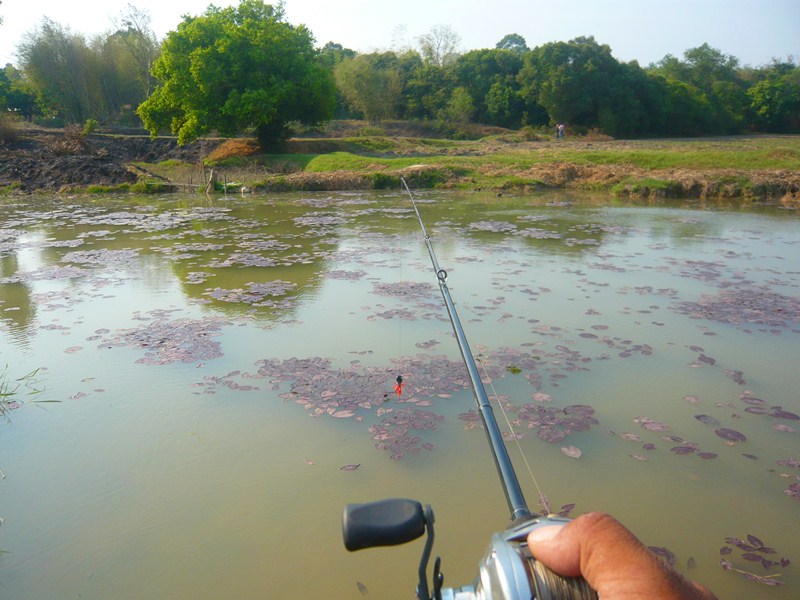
(218,363)
(17,310)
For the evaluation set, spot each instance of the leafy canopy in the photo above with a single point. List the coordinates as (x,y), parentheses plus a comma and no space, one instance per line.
(238,67)
(371,84)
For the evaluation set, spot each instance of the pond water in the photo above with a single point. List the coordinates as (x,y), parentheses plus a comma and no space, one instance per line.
(191,376)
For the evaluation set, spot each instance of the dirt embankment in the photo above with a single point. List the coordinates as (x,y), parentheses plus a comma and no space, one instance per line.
(50,162)
(626,181)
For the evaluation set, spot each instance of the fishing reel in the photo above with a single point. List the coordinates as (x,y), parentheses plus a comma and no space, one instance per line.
(508,571)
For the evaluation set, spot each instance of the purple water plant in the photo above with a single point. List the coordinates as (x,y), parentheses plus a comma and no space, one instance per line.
(753,550)
(730,434)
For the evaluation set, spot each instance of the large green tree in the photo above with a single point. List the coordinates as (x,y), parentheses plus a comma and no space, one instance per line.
(714,78)
(331,55)
(238,67)
(371,84)
(513,42)
(490,77)
(775,100)
(578,82)
(428,87)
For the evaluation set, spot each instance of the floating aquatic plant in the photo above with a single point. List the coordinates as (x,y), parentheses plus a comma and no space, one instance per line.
(546,508)
(708,420)
(753,550)
(104,257)
(256,294)
(793,491)
(493,226)
(165,341)
(650,424)
(745,304)
(730,434)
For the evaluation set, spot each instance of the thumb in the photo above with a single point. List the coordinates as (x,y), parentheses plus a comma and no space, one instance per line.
(611,559)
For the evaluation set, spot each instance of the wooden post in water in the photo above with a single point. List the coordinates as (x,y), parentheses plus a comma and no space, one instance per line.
(212,182)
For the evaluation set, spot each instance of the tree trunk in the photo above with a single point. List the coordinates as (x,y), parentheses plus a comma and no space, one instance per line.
(272,136)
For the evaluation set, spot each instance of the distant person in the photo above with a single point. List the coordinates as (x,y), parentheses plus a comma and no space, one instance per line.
(611,559)
(560,130)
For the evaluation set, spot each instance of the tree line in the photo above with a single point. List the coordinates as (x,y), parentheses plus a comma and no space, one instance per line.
(65,77)
(245,68)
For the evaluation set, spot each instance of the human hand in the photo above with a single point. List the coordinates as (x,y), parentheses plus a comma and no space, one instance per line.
(611,559)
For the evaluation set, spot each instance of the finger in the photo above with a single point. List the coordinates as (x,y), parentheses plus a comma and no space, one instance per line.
(560,553)
(611,559)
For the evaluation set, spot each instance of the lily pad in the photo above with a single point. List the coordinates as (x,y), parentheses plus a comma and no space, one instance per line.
(784,428)
(708,420)
(730,434)
(785,414)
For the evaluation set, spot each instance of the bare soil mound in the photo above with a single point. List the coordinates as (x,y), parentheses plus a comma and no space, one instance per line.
(50,162)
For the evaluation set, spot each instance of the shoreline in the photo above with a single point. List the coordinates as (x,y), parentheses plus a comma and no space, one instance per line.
(44,161)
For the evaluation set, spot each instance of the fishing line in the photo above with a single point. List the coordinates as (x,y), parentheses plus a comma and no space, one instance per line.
(496,396)
(399,375)
(400,320)
(514,495)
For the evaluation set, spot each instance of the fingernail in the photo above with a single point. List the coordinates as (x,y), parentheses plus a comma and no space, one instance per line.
(544,534)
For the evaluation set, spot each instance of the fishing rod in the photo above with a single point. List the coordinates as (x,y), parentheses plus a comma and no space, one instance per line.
(514,497)
(508,570)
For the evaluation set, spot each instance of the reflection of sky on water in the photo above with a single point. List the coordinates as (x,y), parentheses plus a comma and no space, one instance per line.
(188,343)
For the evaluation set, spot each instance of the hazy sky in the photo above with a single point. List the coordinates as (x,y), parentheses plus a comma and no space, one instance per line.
(754,31)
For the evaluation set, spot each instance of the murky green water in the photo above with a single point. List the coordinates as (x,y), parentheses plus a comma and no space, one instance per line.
(207,367)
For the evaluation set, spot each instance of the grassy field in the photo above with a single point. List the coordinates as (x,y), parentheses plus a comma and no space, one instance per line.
(757,168)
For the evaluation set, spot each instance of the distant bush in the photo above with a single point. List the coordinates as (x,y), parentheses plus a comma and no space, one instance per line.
(596,135)
(10,189)
(427,177)
(89,127)
(107,189)
(530,133)
(72,142)
(383,181)
(374,143)
(151,187)
(369,131)
(8,130)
